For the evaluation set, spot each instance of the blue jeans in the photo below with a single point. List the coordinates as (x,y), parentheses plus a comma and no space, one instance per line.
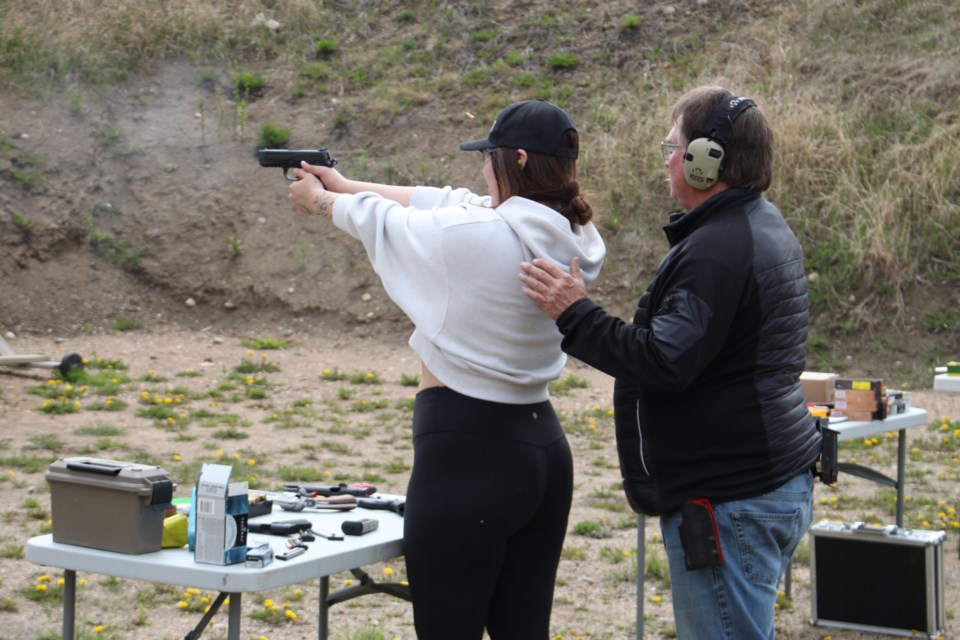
(758,535)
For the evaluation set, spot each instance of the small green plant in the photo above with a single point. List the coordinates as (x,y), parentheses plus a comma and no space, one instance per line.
(235,246)
(564,60)
(656,564)
(122,323)
(631,21)
(118,252)
(248,365)
(941,322)
(274,614)
(591,529)
(111,136)
(482,36)
(370,377)
(27,171)
(406,16)
(563,386)
(333,375)
(272,136)
(246,84)
(20,221)
(325,47)
(409,380)
(264,344)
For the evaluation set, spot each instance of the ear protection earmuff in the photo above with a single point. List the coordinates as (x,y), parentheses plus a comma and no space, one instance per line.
(703,161)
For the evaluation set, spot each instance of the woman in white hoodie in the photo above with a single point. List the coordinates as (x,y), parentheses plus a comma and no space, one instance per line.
(489,495)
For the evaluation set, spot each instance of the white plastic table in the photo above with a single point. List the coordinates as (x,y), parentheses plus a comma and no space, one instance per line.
(847,430)
(177,567)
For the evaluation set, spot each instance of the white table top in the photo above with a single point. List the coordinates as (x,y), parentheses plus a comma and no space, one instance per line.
(851,429)
(176,566)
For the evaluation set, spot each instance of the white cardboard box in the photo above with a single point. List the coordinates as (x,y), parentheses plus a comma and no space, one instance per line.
(221,517)
(946,382)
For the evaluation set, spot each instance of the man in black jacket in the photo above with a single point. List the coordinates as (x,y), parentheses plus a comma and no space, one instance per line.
(713,433)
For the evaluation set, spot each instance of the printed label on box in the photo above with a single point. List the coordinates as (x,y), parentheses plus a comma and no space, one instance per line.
(221,517)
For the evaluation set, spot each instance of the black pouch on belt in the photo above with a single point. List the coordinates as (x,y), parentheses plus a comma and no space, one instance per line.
(699,536)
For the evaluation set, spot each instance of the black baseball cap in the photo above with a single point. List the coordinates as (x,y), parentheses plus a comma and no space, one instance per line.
(533,125)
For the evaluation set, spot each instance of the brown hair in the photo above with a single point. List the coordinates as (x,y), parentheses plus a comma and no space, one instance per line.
(549,180)
(748,158)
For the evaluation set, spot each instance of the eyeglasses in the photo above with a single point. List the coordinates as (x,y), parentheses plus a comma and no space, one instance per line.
(667,149)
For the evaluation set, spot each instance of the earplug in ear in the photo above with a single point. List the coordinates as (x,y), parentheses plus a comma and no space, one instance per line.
(520,161)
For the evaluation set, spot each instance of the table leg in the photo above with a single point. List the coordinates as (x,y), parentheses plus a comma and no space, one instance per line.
(901,466)
(233,616)
(641,571)
(323,615)
(69,603)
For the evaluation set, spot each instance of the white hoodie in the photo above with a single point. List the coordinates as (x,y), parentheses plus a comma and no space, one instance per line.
(450,261)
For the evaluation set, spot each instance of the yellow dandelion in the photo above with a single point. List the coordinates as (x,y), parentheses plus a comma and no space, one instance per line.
(82,581)
(41,587)
(99,628)
(176,457)
(77,404)
(656,599)
(43,578)
(267,603)
(192,591)
(61,582)
(251,462)
(291,614)
(387,571)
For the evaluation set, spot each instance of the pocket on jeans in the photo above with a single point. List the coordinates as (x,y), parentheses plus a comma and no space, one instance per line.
(762,539)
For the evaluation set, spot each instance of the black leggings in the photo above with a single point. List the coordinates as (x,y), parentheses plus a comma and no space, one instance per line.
(486,514)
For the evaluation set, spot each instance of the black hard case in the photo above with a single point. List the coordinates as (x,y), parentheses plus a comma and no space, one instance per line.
(879,579)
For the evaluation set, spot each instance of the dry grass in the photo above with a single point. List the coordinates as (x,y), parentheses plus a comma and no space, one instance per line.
(863,96)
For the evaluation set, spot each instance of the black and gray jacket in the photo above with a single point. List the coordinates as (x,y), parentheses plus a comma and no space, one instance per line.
(707,396)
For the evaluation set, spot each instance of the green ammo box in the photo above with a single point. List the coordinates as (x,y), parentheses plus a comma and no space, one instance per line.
(108,505)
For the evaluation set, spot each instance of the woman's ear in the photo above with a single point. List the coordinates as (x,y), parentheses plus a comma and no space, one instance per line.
(521,158)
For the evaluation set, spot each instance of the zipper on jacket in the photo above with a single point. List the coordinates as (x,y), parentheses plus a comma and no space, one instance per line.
(643,463)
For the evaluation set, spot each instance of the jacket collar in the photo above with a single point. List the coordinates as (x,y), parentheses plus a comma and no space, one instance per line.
(683,223)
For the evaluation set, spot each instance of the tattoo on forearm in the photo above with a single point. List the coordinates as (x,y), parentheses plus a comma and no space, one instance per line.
(323,206)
